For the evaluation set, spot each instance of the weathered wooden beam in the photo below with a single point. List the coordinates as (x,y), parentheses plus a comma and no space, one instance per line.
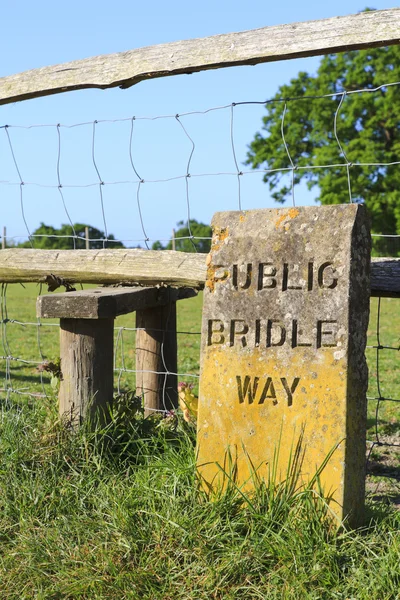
(124,69)
(105,303)
(385,277)
(130,267)
(147,267)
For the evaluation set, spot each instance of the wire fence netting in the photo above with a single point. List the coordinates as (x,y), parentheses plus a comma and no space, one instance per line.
(113,170)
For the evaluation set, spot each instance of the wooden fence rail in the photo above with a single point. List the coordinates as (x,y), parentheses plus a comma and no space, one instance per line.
(281,42)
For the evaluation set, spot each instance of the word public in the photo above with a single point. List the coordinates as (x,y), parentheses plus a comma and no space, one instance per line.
(267,275)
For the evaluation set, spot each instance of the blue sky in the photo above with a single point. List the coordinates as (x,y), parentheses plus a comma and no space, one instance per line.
(44,33)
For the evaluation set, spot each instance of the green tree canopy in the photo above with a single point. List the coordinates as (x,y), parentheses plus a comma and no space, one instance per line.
(186,244)
(63,238)
(366,124)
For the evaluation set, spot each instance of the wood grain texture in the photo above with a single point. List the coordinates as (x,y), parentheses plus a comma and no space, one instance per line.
(103,303)
(86,385)
(147,267)
(124,69)
(157,358)
(385,277)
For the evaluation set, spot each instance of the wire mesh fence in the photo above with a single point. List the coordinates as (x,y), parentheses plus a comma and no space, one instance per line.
(383,397)
(65,171)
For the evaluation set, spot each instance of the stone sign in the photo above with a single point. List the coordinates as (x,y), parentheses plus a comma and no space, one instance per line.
(285,317)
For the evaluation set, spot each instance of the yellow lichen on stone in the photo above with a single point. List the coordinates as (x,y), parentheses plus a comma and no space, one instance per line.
(286,214)
(258,406)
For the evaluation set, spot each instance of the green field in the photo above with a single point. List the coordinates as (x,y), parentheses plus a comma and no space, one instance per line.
(117,514)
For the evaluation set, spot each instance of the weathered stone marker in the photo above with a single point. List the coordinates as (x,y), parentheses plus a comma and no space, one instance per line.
(285,317)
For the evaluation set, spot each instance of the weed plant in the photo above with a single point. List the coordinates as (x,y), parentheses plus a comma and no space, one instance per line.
(118,513)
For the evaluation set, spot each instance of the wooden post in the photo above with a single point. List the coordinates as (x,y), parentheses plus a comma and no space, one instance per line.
(87,238)
(86,386)
(173,240)
(156,357)
(3,239)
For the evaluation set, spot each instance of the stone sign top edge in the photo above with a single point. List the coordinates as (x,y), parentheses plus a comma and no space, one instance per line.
(321,224)
(291,211)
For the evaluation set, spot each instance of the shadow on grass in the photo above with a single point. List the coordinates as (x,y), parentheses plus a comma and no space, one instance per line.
(375,467)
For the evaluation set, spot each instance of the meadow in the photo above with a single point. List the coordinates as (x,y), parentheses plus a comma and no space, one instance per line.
(117,513)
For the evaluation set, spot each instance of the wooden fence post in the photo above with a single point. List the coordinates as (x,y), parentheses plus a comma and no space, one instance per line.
(86,386)
(87,244)
(173,240)
(156,357)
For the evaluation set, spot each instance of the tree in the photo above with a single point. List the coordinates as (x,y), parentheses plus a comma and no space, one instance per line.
(183,242)
(64,238)
(367,126)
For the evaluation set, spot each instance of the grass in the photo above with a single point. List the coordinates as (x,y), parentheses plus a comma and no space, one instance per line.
(118,513)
